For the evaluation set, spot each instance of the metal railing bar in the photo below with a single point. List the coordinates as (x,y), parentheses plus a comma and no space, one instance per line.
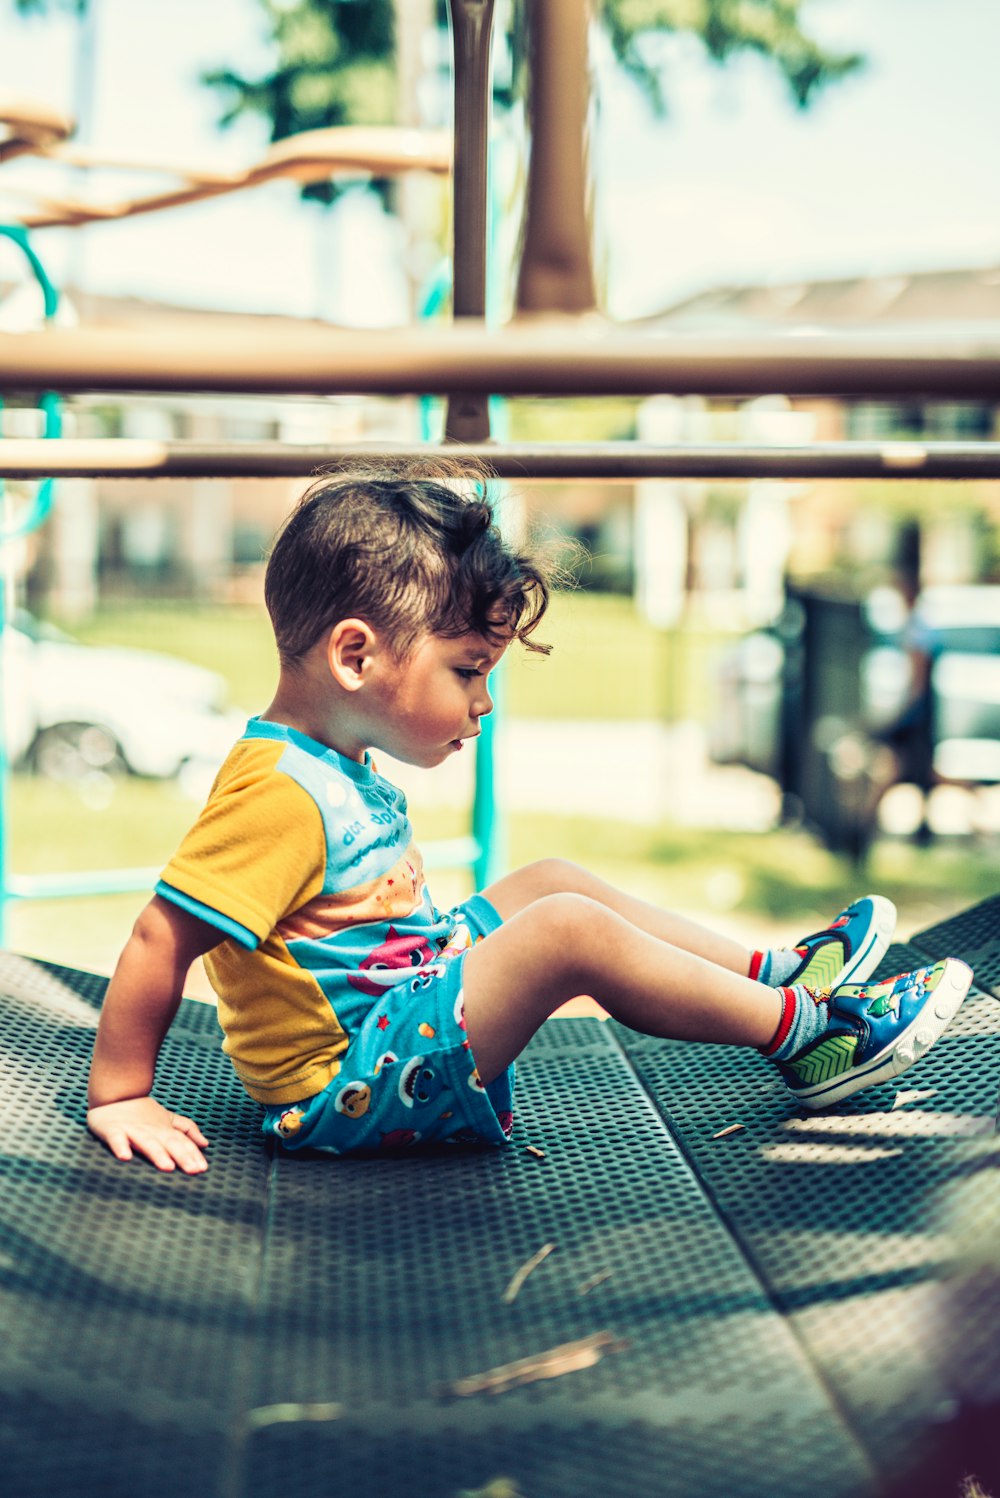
(467,417)
(22,458)
(442,853)
(67,886)
(541,358)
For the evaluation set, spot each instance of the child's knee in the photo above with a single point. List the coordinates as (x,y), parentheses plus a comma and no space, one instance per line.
(558,876)
(573,929)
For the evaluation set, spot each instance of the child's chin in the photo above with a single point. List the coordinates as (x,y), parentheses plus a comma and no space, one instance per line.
(429,759)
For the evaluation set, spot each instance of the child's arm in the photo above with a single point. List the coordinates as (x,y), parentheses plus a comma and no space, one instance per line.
(142,999)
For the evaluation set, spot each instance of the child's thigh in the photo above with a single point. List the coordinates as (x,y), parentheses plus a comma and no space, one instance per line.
(409,1076)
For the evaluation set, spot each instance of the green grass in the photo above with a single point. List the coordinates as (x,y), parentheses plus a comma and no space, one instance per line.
(775,883)
(606,661)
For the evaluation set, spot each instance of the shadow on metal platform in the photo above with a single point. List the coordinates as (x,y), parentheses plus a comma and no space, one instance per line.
(802,1305)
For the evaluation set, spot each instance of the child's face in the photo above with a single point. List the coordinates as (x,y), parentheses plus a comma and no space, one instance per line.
(430,702)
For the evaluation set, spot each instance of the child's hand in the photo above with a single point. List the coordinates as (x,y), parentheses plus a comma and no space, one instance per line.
(144,1125)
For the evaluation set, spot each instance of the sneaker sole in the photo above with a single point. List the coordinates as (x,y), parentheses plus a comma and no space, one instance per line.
(867,958)
(915,1041)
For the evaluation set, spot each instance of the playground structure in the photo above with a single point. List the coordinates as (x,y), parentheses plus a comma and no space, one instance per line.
(738,1302)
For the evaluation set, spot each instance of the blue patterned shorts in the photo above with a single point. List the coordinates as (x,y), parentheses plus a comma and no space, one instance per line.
(408,1076)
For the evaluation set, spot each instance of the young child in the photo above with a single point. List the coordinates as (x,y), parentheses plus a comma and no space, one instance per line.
(358,1014)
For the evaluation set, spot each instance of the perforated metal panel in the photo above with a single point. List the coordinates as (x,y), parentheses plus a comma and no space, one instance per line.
(839,1212)
(124,1295)
(973,935)
(406,1296)
(292,1323)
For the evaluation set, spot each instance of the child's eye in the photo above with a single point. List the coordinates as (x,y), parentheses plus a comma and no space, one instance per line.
(467,673)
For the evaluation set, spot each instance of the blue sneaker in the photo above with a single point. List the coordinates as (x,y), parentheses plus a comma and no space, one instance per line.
(851,947)
(875,1031)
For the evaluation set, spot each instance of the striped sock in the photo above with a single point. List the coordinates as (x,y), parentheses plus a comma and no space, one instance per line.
(775,965)
(804,1015)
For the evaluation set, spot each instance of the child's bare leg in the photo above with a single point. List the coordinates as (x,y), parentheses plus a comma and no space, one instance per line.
(552,876)
(560,945)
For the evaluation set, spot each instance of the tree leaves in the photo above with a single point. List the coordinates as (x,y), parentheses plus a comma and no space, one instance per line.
(771,28)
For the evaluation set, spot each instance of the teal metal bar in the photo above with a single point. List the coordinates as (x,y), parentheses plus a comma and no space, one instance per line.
(488,826)
(88,882)
(478,852)
(33,515)
(484,851)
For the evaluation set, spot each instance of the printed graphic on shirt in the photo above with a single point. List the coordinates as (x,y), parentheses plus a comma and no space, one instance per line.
(312,855)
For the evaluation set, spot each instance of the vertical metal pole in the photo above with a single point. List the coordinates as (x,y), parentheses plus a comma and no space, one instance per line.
(4,766)
(35,516)
(467,418)
(556,273)
(487,824)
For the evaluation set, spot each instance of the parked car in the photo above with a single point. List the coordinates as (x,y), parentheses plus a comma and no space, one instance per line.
(964,626)
(75,710)
(960,628)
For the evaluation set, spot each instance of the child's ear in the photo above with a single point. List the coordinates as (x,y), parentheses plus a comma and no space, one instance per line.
(349,647)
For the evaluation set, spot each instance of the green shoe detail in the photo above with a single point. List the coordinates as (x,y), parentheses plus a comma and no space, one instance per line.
(828,1059)
(876,1031)
(886,1003)
(824,966)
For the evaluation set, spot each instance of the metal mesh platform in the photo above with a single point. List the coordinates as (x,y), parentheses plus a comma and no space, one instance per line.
(768,1300)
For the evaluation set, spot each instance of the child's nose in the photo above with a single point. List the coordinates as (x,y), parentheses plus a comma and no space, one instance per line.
(483,703)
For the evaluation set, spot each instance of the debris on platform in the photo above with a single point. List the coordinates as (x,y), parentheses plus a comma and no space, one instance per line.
(569,1357)
(292,1414)
(514,1288)
(532,1149)
(497,1487)
(732,1129)
(593,1282)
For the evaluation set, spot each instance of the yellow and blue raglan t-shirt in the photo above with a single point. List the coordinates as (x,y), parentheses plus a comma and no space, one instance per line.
(305,863)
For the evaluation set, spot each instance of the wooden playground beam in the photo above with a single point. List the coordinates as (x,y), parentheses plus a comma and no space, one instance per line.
(541,358)
(556,270)
(312,156)
(27,126)
(522,461)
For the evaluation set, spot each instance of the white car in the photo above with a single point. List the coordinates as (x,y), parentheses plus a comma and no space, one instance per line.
(74,710)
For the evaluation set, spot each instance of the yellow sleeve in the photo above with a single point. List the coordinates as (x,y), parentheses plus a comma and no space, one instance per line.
(258,850)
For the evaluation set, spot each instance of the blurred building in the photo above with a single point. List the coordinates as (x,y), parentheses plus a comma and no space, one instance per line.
(739,536)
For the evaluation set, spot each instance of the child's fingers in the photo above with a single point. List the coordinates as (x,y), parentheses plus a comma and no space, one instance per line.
(117,1143)
(166,1140)
(190,1128)
(168,1150)
(155,1151)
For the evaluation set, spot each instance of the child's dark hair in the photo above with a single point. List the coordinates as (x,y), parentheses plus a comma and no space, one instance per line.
(406,551)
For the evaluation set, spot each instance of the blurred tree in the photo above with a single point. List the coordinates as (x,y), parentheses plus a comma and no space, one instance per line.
(39,7)
(334,59)
(772,28)
(334,65)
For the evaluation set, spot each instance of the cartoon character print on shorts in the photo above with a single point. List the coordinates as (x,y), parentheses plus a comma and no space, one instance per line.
(460,941)
(290,1122)
(354,1099)
(399,1139)
(381,969)
(419,1083)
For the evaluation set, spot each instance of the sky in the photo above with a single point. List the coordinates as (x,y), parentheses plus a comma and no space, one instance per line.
(890,171)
